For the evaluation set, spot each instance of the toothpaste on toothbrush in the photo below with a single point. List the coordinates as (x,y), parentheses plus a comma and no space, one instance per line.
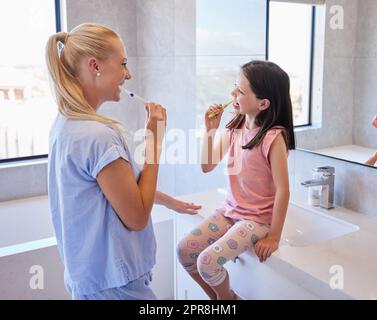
(135,96)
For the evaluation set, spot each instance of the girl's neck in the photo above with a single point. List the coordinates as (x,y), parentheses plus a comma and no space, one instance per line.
(250,122)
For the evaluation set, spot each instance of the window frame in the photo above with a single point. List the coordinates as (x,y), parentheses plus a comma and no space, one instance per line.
(311,62)
(58,27)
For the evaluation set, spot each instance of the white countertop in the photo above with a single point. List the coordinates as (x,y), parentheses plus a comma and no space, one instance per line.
(310,265)
(25,224)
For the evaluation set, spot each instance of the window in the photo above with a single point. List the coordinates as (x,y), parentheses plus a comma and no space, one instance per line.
(290,45)
(27,107)
(228,34)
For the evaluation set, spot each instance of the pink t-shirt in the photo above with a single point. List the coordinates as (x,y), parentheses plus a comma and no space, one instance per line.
(251,191)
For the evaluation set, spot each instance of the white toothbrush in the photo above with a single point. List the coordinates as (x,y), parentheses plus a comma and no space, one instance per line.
(135,96)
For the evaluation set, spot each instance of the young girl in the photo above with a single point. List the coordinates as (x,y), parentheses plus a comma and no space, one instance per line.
(258,139)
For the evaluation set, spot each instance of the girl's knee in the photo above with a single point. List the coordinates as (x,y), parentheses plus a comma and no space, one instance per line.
(188,251)
(181,250)
(206,264)
(210,268)
(202,263)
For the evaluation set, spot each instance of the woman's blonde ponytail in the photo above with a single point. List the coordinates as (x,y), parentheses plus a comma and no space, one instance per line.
(63,51)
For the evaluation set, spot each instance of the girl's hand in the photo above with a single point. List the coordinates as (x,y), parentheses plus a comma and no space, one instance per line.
(371,161)
(183,207)
(265,247)
(213,122)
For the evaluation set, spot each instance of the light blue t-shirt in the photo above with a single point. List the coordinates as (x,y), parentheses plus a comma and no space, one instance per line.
(97,250)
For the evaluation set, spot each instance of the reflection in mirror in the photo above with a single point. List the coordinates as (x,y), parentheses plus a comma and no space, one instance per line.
(290,46)
(355,153)
(331,57)
(329,50)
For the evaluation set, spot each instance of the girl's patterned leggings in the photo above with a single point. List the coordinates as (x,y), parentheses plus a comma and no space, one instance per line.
(215,241)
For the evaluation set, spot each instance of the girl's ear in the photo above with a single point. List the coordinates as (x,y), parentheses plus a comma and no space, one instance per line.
(264,104)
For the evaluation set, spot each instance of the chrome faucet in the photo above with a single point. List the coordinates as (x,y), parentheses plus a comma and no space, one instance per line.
(326,180)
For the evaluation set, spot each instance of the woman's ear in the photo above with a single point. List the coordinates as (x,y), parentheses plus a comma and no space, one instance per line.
(264,104)
(93,66)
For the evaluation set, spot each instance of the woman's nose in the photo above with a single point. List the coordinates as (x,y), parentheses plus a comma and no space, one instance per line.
(234,93)
(127,76)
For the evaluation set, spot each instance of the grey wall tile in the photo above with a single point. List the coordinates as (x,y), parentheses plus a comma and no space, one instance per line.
(337,107)
(338,92)
(120,15)
(184,28)
(341,42)
(155,28)
(156,79)
(365,108)
(366,41)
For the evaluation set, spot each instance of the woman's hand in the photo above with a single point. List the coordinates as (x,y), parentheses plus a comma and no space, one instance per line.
(183,207)
(156,116)
(156,126)
(265,247)
(213,122)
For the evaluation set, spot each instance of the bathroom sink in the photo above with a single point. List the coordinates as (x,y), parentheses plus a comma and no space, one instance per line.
(305,227)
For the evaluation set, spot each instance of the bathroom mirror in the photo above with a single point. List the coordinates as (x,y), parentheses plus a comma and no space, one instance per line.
(343,82)
(329,50)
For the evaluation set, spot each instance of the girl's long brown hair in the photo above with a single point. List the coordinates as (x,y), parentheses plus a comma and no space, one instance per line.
(268,81)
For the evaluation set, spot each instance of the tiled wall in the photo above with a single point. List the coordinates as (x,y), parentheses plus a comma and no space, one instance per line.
(338,81)
(349,98)
(365,103)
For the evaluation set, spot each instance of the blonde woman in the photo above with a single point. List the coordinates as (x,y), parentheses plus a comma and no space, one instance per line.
(100,199)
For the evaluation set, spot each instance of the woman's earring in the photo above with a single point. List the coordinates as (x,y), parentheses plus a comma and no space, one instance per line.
(98,74)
